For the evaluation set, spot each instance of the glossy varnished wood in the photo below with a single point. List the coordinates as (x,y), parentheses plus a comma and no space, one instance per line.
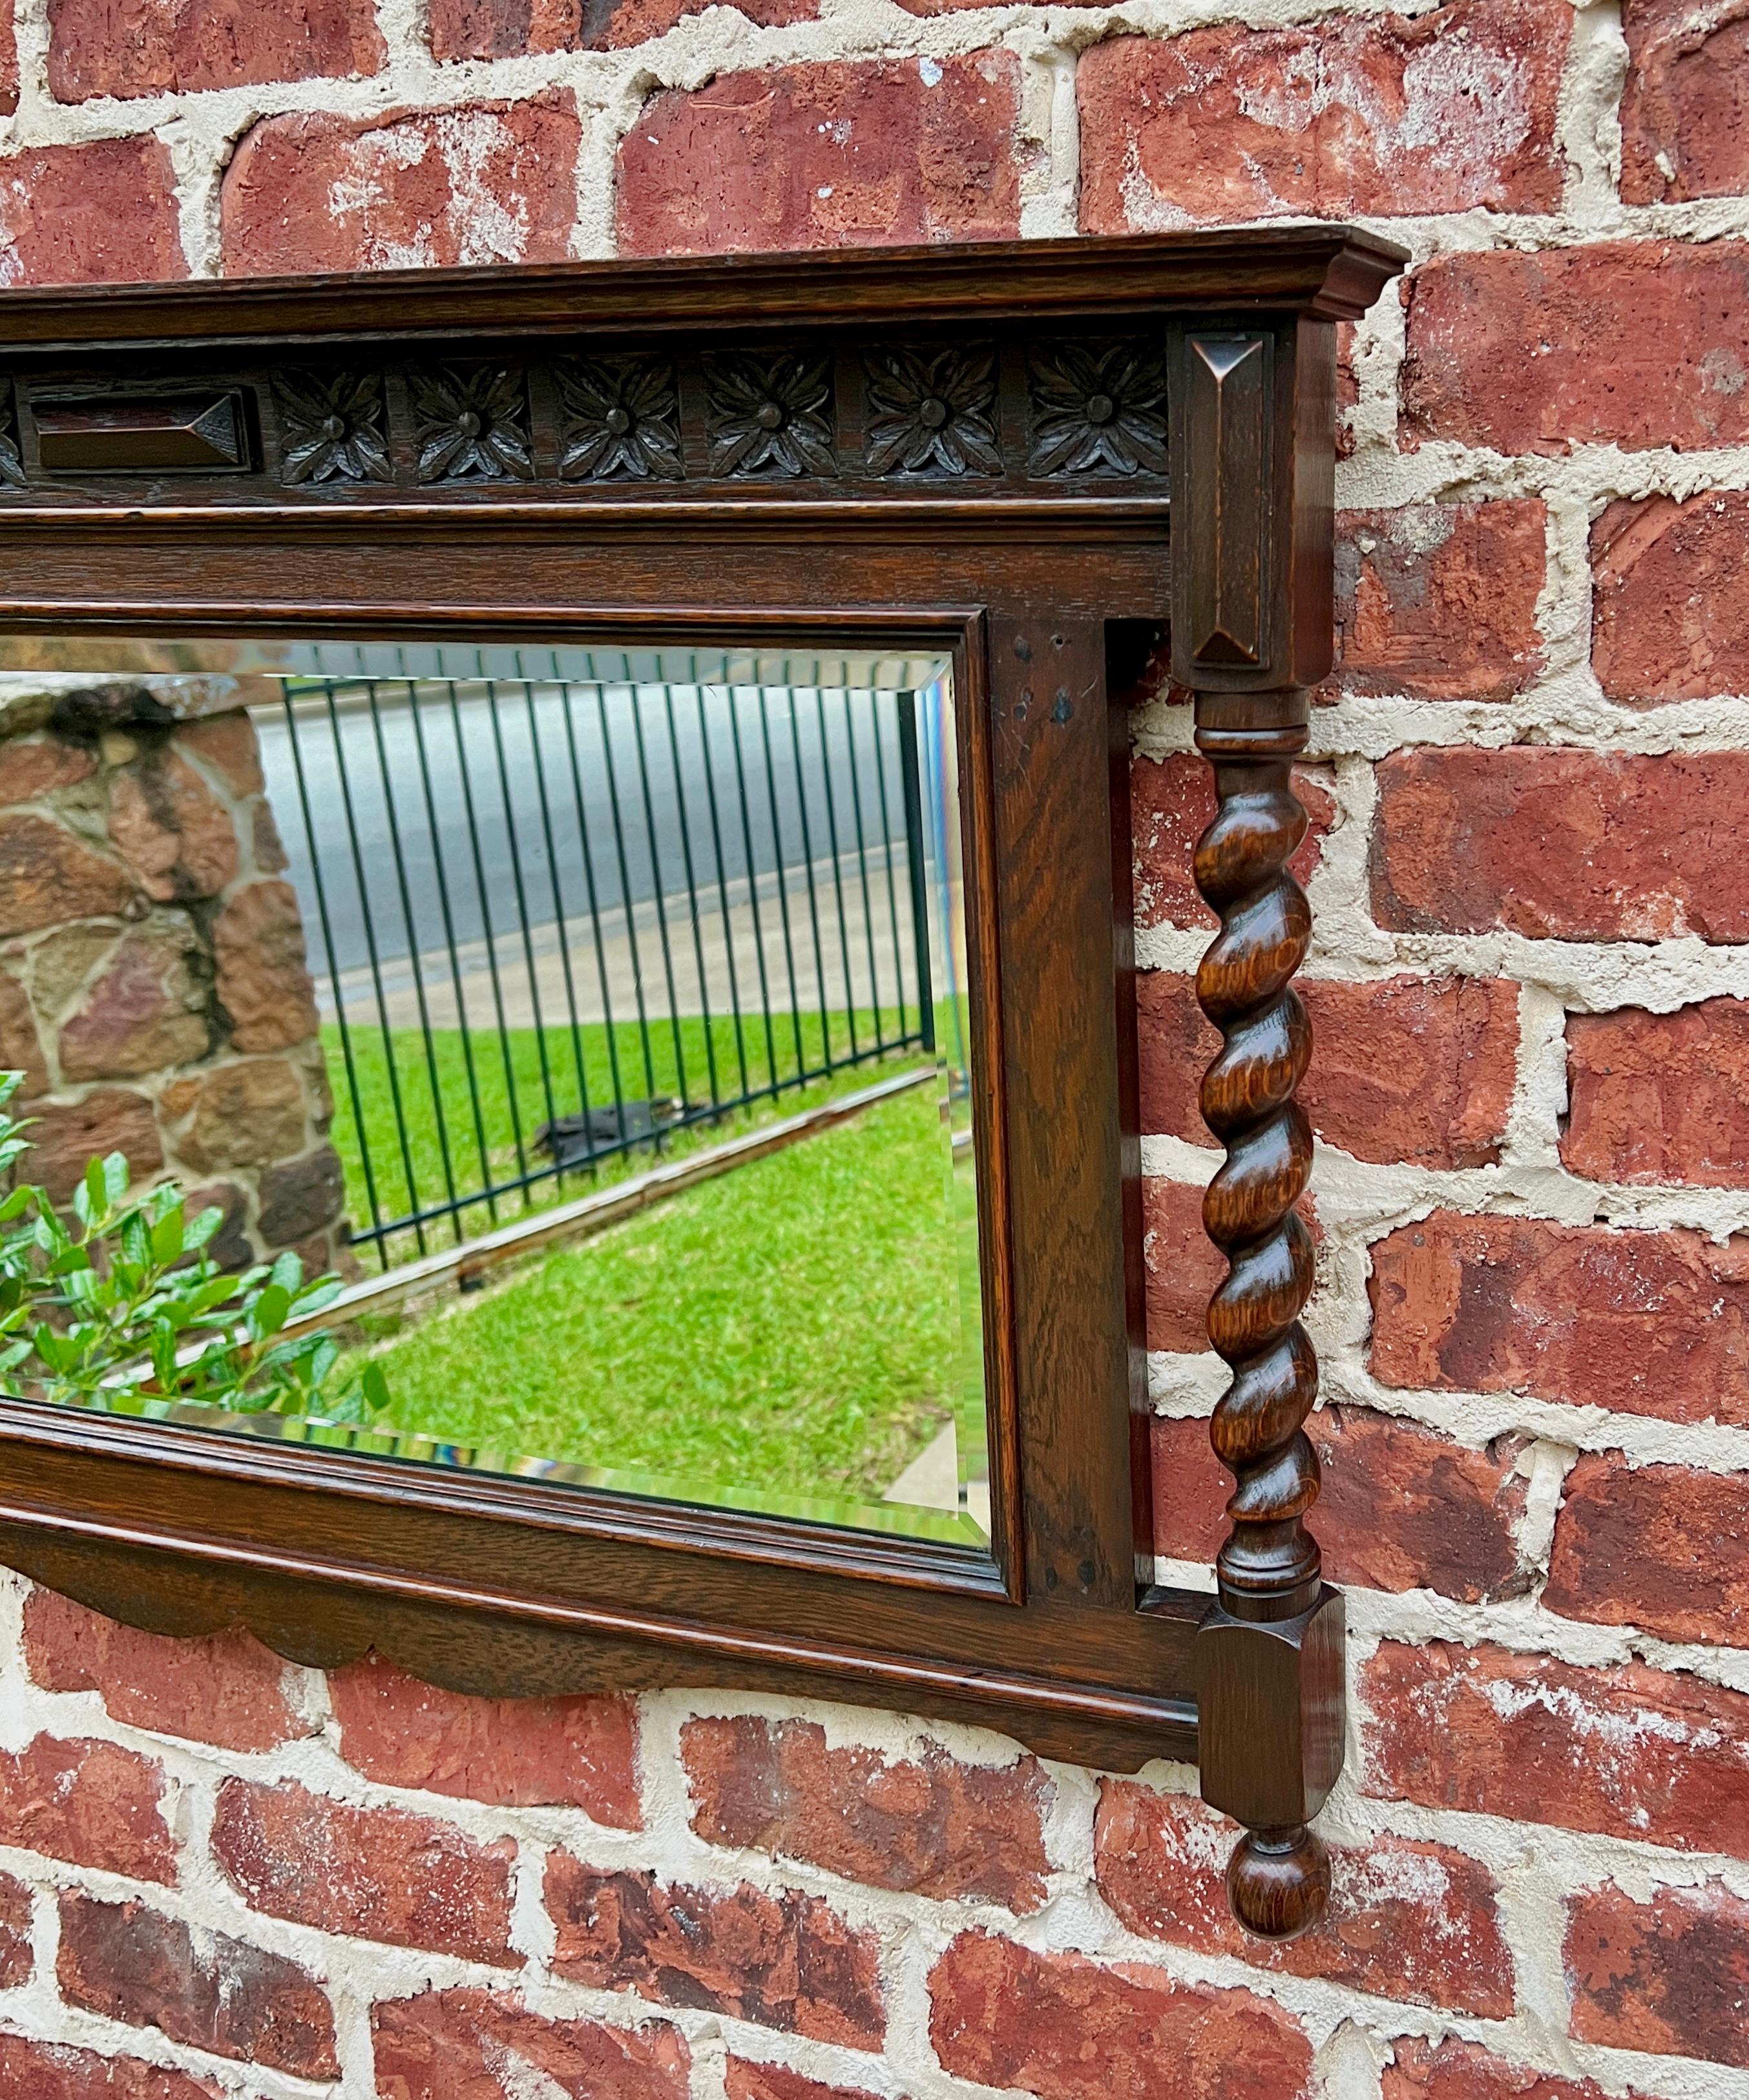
(430,455)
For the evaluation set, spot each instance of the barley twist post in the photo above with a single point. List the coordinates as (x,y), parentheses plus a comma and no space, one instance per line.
(1269,1568)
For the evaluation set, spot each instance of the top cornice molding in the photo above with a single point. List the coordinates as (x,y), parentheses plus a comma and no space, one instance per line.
(1328,272)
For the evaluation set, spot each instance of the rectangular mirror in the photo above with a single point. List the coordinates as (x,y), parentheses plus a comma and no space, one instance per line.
(565,1056)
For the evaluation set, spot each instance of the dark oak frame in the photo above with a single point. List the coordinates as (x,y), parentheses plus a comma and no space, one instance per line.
(255,457)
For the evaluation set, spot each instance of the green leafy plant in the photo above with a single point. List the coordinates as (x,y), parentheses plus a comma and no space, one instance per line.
(123,1310)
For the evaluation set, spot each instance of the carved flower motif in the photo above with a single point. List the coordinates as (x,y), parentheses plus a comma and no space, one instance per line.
(769,415)
(332,429)
(621,416)
(472,425)
(12,466)
(1098,411)
(932,411)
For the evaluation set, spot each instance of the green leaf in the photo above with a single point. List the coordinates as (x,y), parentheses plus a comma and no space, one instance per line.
(167,1238)
(115,1178)
(196,1234)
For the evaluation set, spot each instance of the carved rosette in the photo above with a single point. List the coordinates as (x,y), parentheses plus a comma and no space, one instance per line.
(1098,409)
(471,425)
(331,427)
(769,414)
(11,465)
(622,419)
(1268,1570)
(932,413)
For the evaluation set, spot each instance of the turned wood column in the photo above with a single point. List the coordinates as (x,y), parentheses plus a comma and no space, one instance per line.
(1252,427)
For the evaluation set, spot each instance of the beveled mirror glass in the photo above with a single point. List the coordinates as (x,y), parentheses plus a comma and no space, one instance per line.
(597,1020)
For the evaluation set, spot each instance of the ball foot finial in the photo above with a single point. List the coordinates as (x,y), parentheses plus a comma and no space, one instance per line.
(1278,1882)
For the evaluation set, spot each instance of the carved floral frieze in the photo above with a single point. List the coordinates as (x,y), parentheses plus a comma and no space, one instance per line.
(333,427)
(770,414)
(621,419)
(932,411)
(1098,408)
(472,425)
(12,466)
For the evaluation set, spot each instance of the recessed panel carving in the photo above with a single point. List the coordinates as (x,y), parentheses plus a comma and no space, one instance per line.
(770,414)
(471,425)
(334,427)
(621,419)
(932,411)
(142,433)
(1098,409)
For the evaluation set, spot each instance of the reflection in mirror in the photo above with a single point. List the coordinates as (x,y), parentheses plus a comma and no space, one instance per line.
(551,1061)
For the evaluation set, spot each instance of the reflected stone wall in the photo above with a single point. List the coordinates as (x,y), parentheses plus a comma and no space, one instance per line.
(152,979)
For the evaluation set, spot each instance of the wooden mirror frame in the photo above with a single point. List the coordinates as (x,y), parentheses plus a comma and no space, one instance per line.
(162,472)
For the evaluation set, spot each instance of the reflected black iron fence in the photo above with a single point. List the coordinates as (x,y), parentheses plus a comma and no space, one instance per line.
(555,921)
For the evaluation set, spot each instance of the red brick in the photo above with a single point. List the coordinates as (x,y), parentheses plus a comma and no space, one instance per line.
(1182,1264)
(1650,1323)
(1438,600)
(505,28)
(837,155)
(1685,113)
(1670,1977)
(168,46)
(382,1873)
(1462,2071)
(1621,848)
(1660,1098)
(576,1753)
(1415,1922)
(16,1957)
(8,66)
(633,20)
(487,183)
(101,213)
(132,1963)
(788,1961)
(1669,608)
(1663,1547)
(1534,351)
(467,2045)
(51,2070)
(1171,805)
(224,1688)
(931,1826)
(92,1803)
(1630,1751)
(1401,1508)
(1440,111)
(1414,1069)
(773,2082)
(1067,2028)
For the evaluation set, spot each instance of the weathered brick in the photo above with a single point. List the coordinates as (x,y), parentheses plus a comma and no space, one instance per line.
(65,1137)
(101,213)
(1401,1508)
(132,1963)
(1440,111)
(16,1957)
(1067,2028)
(1463,2070)
(1414,1069)
(145,1011)
(382,1873)
(168,46)
(1660,1098)
(579,1752)
(1663,1547)
(263,981)
(93,1803)
(53,2070)
(1669,611)
(1622,847)
(1537,351)
(788,1961)
(1437,601)
(1182,1266)
(48,877)
(1171,805)
(1650,1323)
(1670,1977)
(468,2044)
(775,2081)
(1630,1751)
(507,28)
(8,67)
(486,183)
(1415,1922)
(843,154)
(224,1689)
(1685,117)
(931,1825)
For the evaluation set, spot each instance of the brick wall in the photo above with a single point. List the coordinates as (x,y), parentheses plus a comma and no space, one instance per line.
(1530,783)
